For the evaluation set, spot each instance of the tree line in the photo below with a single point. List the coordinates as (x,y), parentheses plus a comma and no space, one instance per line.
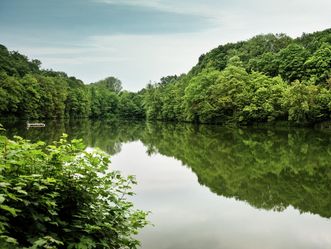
(269,78)
(29,92)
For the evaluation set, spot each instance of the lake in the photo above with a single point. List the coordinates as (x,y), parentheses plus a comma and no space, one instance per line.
(214,187)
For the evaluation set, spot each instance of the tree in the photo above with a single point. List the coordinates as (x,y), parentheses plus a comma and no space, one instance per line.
(318,66)
(12,90)
(197,102)
(267,63)
(291,62)
(111,83)
(31,97)
(301,102)
(131,105)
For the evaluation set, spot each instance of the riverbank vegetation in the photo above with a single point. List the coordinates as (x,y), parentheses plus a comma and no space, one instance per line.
(29,92)
(266,79)
(60,196)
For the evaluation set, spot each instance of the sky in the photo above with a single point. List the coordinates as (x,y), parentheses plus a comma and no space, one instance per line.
(140,41)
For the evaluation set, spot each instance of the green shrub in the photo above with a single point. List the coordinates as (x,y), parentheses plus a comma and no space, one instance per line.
(60,196)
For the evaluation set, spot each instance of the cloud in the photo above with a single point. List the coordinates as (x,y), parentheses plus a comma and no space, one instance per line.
(135,59)
(207,8)
(142,40)
(74,20)
(146,3)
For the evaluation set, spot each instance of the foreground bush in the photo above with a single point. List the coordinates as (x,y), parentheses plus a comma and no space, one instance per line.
(60,196)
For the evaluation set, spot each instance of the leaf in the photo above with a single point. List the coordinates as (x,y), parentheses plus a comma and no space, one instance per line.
(20,190)
(9,209)
(9,240)
(2,199)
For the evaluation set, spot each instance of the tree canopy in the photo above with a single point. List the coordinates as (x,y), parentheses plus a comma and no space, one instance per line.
(29,92)
(268,78)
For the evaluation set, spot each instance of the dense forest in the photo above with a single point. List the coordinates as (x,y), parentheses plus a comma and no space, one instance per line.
(265,79)
(269,78)
(29,92)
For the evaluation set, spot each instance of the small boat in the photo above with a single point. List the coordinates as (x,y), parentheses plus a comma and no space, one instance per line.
(35,124)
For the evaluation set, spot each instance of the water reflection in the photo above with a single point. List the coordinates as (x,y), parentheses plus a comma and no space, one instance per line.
(269,169)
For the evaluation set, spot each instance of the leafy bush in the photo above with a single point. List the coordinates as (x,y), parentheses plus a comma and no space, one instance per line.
(60,196)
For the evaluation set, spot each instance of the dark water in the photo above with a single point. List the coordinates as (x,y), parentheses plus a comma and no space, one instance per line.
(214,187)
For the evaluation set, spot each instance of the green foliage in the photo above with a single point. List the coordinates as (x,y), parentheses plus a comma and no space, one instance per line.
(152,102)
(265,79)
(28,92)
(11,93)
(266,63)
(104,103)
(318,65)
(60,196)
(291,62)
(242,83)
(199,106)
(306,103)
(235,96)
(131,105)
(111,83)
(242,163)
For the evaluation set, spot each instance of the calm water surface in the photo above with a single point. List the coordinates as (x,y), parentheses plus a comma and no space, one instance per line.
(213,187)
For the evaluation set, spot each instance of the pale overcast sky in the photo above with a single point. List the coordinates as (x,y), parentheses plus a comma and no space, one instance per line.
(142,40)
